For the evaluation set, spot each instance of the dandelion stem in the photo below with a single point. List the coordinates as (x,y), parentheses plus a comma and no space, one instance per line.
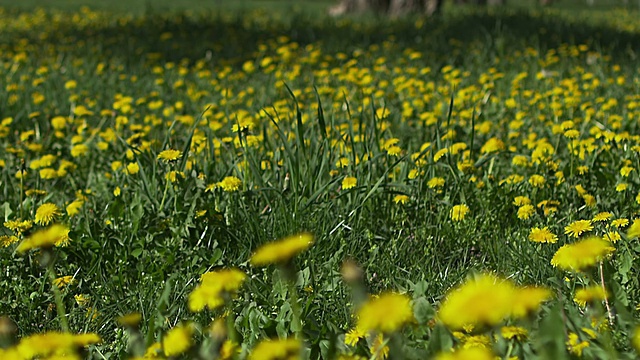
(164,194)
(606,300)
(57,295)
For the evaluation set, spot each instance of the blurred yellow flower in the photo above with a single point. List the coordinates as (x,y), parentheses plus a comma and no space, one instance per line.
(582,255)
(273,349)
(46,238)
(474,353)
(177,340)
(514,333)
(386,313)
(590,294)
(281,251)
(214,287)
(483,300)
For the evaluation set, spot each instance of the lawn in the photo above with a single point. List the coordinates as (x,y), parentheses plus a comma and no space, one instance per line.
(196,179)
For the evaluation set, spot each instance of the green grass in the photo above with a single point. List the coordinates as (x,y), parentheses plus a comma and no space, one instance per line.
(323,92)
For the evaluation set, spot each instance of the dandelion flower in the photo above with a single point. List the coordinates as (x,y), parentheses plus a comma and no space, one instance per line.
(74,208)
(474,353)
(63,281)
(276,350)
(542,235)
(575,346)
(525,212)
(47,238)
(459,212)
(582,255)
(169,155)
(435,182)
(528,299)
(230,184)
(578,227)
(618,223)
(354,335)
(603,216)
(177,340)
(590,294)
(484,300)
(213,287)
(521,200)
(537,181)
(349,182)
(281,251)
(379,349)
(133,168)
(514,333)
(634,229)
(46,213)
(386,313)
(42,345)
(400,199)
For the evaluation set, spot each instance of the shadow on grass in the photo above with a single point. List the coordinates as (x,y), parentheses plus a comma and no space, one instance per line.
(231,39)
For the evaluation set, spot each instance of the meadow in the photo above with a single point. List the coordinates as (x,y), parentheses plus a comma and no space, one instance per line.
(192,182)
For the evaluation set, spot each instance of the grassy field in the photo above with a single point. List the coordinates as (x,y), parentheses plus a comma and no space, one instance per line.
(187,180)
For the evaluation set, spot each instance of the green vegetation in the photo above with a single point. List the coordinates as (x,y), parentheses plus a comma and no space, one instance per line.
(403,157)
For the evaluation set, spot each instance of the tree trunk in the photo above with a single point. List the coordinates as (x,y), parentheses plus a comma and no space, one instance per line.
(393,8)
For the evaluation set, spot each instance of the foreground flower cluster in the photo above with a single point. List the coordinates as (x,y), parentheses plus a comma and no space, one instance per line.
(433,196)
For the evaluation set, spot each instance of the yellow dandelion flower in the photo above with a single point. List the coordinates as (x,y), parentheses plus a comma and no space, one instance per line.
(51,343)
(229,350)
(577,228)
(514,333)
(590,294)
(130,320)
(276,350)
(177,340)
(521,200)
(63,281)
(74,208)
(537,181)
(612,236)
(354,335)
(44,238)
(492,145)
(474,353)
(387,313)
(619,223)
(79,150)
(281,251)
(484,300)
(132,168)
(349,182)
(435,182)
(169,155)
(476,341)
(230,184)
(46,213)
(400,199)
(582,255)
(528,300)
(17,226)
(459,212)
(526,211)
(543,235)
(603,216)
(7,240)
(634,229)
(379,349)
(635,340)
(575,346)
(213,288)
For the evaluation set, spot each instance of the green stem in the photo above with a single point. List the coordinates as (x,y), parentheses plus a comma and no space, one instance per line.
(164,195)
(62,313)
(296,321)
